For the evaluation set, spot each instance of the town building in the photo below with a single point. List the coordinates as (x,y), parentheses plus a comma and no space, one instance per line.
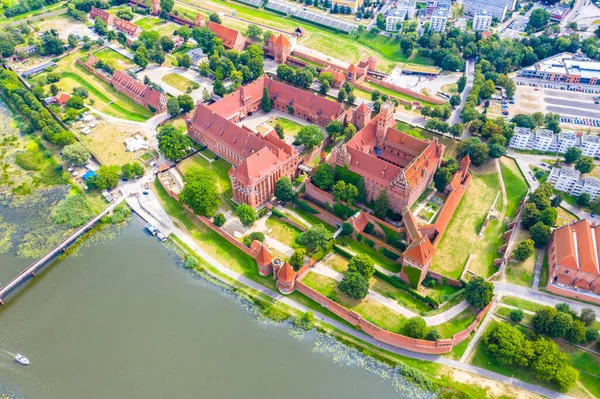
(232,39)
(128,28)
(565,140)
(105,16)
(558,12)
(197,56)
(353,5)
(564,68)
(439,18)
(573,254)
(482,21)
(339,77)
(543,139)
(390,160)
(200,20)
(522,138)
(279,47)
(589,145)
(569,180)
(496,9)
(258,160)
(140,93)
(394,19)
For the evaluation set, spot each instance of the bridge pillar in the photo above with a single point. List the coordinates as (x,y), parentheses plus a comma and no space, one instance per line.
(33,274)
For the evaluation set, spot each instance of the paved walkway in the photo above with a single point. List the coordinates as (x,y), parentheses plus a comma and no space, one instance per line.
(538,269)
(470,70)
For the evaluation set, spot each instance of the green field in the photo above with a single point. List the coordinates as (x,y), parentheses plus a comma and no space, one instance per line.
(515,183)
(362,248)
(180,82)
(390,48)
(221,169)
(147,23)
(114,59)
(290,128)
(282,232)
(397,94)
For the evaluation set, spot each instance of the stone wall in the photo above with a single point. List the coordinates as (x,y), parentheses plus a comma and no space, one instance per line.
(405,91)
(440,278)
(94,72)
(318,195)
(572,294)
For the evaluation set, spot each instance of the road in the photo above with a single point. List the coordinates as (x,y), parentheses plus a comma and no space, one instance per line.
(36,17)
(470,71)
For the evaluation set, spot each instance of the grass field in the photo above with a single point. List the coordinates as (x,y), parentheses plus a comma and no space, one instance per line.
(115,59)
(283,232)
(396,94)
(449,152)
(107,141)
(521,272)
(390,48)
(362,248)
(290,127)
(516,186)
(148,23)
(465,226)
(180,82)
(221,169)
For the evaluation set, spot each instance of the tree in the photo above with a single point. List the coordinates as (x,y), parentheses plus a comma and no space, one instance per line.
(335,129)
(441,179)
(516,315)
(540,234)
(254,32)
(576,334)
(355,285)
(141,57)
(381,204)
(496,150)
(585,164)
(432,335)
(279,130)
(344,192)
(246,214)
(479,292)
(173,143)
(166,43)
(543,319)
(315,238)
(583,199)
(323,176)
(363,265)
(507,345)
(284,189)
(131,170)
(310,136)
(125,14)
(100,26)
(184,61)
(167,5)
(7,48)
(588,316)
(477,151)
(297,259)
(539,18)
(214,17)
(107,177)
(455,100)
(457,130)
(266,103)
(186,102)
(75,102)
(415,327)
(76,153)
(550,364)
(560,325)
(572,155)
(201,191)
(53,89)
(173,107)
(219,219)
(111,35)
(524,250)
(72,40)
(349,132)
(548,216)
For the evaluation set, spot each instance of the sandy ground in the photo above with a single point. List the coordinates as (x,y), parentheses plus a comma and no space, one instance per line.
(107,141)
(419,83)
(494,388)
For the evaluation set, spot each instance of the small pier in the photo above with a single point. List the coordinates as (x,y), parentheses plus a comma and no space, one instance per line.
(34,267)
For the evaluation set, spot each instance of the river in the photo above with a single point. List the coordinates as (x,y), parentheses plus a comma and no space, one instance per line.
(122,319)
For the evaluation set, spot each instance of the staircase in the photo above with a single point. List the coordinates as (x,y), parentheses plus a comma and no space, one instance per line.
(480,330)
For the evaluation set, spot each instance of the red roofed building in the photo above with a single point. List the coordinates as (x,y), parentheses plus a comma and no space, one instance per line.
(390,160)
(573,255)
(417,257)
(61,98)
(200,20)
(286,277)
(263,257)
(140,93)
(279,47)
(339,77)
(128,28)
(98,13)
(232,39)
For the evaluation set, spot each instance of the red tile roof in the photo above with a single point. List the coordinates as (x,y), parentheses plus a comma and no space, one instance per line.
(62,98)
(363,109)
(286,274)
(419,253)
(260,253)
(280,40)
(128,27)
(576,247)
(230,37)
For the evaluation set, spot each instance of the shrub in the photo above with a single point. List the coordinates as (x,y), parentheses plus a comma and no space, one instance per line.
(516,315)
(219,219)
(256,235)
(415,327)
(73,210)
(303,206)
(355,285)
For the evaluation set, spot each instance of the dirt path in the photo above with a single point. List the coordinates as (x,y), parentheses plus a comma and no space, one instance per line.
(503,188)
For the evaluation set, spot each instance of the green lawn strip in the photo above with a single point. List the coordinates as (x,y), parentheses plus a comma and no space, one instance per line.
(591,383)
(147,23)
(111,57)
(459,349)
(179,82)
(282,232)
(134,114)
(515,185)
(390,48)
(34,13)
(397,94)
(402,297)
(522,303)
(290,128)
(447,305)
(505,312)
(309,218)
(362,248)
(208,154)
(457,324)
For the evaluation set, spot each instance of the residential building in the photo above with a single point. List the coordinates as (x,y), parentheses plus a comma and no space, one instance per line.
(353,5)
(232,39)
(565,68)
(394,19)
(439,18)
(522,138)
(589,145)
(197,56)
(390,160)
(496,9)
(140,93)
(258,160)
(61,98)
(543,139)
(569,180)
(407,5)
(573,254)
(98,13)
(279,47)
(565,140)
(482,21)
(558,12)
(128,28)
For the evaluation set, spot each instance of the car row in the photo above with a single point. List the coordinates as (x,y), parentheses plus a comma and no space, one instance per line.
(581,121)
(560,87)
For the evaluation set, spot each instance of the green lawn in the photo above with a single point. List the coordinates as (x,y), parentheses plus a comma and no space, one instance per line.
(114,59)
(221,169)
(362,248)
(148,23)
(522,303)
(449,152)
(450,258)
(402,297)
(390,48)
(591,383)
(309,217)
(290,128)
(180,82)
(397,94)
(457,324)
(283,232)
(515,184)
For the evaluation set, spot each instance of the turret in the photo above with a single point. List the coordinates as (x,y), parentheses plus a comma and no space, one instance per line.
(385,121)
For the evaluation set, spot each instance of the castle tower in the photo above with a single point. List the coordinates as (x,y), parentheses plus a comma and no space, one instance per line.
(155,7)
(286,279)
(200,21)
(362,116)
(263,257)
(352,72)
(372,63)
(386,121)
(280,47)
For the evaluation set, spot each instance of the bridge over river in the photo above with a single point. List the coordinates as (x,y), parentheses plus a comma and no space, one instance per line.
(30,271)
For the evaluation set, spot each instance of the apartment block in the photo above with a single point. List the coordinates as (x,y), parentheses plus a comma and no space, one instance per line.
(482,21)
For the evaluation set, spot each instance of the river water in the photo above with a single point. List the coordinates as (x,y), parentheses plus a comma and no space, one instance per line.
(122,319)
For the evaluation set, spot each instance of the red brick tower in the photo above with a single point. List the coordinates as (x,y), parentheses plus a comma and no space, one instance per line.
(263,258)
(352,72)
(372,63)
(286,279)
(386,121)
(155,7)
(200,22)
(280,47)
(362,116)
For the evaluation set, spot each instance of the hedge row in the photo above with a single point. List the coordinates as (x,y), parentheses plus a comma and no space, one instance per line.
(396,282)
(305,207)
(277,213)
(342,251)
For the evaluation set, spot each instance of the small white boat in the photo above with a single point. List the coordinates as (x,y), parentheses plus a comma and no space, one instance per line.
(22,359)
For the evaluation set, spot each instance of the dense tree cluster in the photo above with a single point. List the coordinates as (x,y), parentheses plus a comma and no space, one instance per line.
(316,238)
(562,322)
(201,191)
(323,176)
(284,189)
(479,292)
(539,216)
(443,175)
(301,77)
(23,6)
(356,279)
(173,143)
